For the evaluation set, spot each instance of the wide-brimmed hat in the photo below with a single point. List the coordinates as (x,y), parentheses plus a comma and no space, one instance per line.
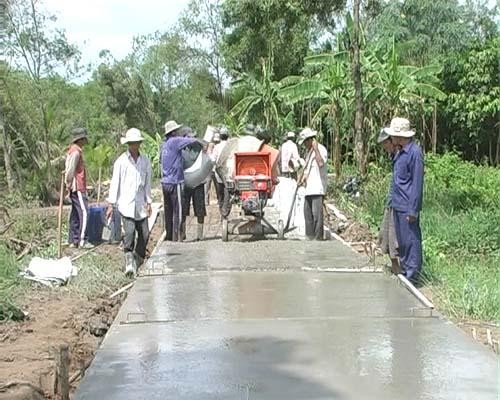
(383,135)
(290,135)
(171,126)
(305,134)
(77,134)
(133,135)
(400,127)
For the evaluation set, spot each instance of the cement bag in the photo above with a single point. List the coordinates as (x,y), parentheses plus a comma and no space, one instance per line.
(225,162)
(209,133)
(199,171)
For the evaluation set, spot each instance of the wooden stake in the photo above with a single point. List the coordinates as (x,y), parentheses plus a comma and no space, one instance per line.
(99,186)
(59,218)
(62,373)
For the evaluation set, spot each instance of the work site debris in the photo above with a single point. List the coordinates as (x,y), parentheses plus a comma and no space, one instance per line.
(50,272)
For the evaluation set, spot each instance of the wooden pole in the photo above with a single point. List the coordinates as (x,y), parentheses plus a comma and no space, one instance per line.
(59,217)
(62,372)
(99,186)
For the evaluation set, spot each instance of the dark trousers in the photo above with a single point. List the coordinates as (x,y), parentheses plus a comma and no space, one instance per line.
(172,204)
(313,215)
(409,238)
(131,226)
(78,218)
(225,208)
(219,190)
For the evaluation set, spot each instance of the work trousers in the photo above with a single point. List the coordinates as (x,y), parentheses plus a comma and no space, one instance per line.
(78,218)
(172,205)
(130,245)
(313,215)
(409,238)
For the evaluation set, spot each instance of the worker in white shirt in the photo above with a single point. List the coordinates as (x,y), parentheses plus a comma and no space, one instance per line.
(219,183)
(315,181)
(289,156)
(130,192)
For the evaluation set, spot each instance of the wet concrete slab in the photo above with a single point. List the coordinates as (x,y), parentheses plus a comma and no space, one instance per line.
(272,295)
(214,255)
(263,320)
(362,358)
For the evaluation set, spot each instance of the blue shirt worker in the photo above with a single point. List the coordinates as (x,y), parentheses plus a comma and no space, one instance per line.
(406,197)
(172,178)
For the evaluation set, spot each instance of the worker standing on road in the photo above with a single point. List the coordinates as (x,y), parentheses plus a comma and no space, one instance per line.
(315,181)
(193,195)
(172,178)
(76,186)
(387,240)
(406,197)
(130,193)
(289,156)
(219,182)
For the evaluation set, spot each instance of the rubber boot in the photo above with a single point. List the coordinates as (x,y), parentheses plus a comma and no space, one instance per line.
(199,235)
(182,232)
(130,266)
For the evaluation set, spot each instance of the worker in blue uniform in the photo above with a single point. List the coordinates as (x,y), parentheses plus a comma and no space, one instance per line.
(406,197)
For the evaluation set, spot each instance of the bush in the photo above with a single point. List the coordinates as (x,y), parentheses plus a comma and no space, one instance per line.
(8,278)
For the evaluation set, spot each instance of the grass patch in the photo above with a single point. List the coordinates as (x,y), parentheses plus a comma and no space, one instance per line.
(8,282)
(461,231)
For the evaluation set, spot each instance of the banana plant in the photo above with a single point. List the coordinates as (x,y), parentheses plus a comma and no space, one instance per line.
(330,87)
(100,157)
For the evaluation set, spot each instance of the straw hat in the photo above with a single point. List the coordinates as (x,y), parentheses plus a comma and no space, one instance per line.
(133,135)
(305,134)
(400,127)
(171,126)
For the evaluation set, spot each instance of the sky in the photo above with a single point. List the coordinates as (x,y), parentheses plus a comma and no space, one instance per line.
(94,25)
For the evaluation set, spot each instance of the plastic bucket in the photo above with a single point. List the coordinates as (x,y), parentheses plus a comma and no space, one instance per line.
(95,223)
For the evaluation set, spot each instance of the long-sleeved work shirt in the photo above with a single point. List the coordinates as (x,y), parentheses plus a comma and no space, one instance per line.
(408,180)
(289,153)
(130,186)
(171,159)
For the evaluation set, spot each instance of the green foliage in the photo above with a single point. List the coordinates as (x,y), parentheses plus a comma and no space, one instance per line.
(151,148)
(8,278)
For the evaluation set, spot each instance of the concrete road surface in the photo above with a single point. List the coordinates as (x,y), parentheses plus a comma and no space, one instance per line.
(263,320)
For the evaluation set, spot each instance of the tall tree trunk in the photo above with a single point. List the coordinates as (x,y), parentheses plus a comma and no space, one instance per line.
(423,133)
(9,175)
(434,129)
(337,163)
(497,158)
(358,93)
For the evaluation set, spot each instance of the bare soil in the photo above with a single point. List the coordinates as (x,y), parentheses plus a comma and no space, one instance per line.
(56,316)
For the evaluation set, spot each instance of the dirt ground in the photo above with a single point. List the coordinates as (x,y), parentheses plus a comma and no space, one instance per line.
(359,237)
(56,316)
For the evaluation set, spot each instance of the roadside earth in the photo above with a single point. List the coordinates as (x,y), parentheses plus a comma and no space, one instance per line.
(62,315)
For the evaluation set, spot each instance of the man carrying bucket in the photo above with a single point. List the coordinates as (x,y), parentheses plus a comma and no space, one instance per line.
(130,191)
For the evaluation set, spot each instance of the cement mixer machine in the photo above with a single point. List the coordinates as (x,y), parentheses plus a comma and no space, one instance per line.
(250,187)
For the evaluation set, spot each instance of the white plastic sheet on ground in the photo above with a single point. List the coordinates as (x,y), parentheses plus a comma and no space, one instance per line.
(50,271)
(282,201)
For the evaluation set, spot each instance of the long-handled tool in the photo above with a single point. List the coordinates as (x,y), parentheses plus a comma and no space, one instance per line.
(59,217)
(299,180)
